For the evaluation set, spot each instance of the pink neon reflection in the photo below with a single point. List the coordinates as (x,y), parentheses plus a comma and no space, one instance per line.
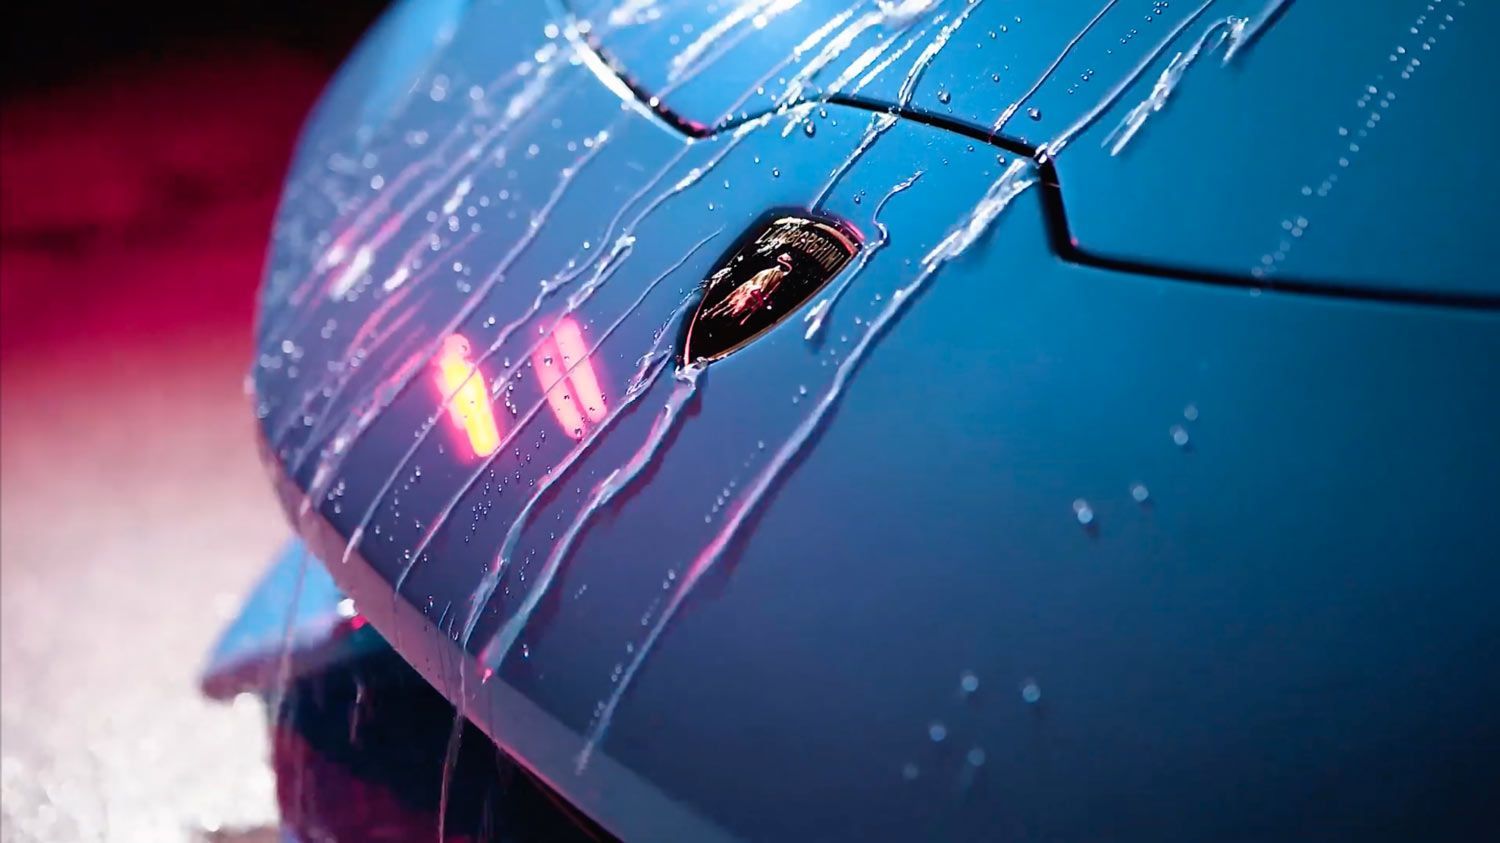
(585,380)
(570,395)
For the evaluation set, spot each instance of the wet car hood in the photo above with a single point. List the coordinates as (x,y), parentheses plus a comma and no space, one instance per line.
(1200,139)
(1001,530)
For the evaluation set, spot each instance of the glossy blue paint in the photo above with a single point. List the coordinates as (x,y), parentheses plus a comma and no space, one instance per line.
(385,69)
(1393,124)
(1287,638)
(1366,173)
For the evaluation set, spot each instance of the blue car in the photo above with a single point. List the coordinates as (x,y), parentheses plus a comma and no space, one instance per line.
(834,420)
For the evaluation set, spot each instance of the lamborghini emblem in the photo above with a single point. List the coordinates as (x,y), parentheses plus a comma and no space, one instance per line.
(773,270)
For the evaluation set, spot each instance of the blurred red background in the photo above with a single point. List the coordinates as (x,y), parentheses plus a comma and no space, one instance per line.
(141,154)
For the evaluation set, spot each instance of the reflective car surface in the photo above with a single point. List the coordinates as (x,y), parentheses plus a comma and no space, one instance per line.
(965,420)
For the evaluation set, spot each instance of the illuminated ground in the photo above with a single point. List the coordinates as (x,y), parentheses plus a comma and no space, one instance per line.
(133,512)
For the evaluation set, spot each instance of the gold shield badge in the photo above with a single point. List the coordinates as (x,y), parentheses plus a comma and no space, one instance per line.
(781,263)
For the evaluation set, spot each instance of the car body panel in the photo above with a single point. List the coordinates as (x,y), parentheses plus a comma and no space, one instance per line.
(295,622)
(1010,545)
(1282,164)
(1201,140)
(715,63)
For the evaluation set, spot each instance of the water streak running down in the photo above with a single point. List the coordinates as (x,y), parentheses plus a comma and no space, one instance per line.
(524,420)
(1236,32)
(622,247)
(364,216)
(741,131)
(1010,110)
(1016,178)
(903,12)
(896,15)
(618,480)
(644,379)
(1049,150)
(522,106)
(858,66)
(346,278)
(918,67)
(875,56)
(819,313)
(1251,28)
(362,421)
(370,336)
(1166,83)
(650,368)
(880,123)
(328,470)
(691,59)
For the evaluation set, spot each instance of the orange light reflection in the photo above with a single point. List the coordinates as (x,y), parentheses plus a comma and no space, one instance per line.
(468,396)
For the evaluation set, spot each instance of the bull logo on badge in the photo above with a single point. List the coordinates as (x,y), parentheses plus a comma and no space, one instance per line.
(775,269)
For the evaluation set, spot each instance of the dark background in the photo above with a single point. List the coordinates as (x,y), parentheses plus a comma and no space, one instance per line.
(58,41)
(142,146)
(128,124)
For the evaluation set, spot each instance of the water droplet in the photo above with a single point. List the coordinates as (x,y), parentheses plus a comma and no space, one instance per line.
(1139,492)
(968,682)
(809,129)
(1083,512)
(937,732)
(976,757)
(1034,113)
(944,97)
(1190,412)
(1031,692)
(909,771)
(1179,436)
